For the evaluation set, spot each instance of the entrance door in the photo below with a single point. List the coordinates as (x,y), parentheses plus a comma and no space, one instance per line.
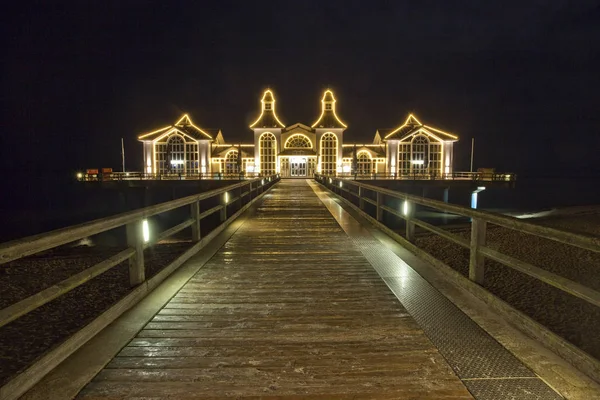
(298,166)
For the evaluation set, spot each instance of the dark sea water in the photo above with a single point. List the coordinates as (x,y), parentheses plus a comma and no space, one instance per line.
(36,206)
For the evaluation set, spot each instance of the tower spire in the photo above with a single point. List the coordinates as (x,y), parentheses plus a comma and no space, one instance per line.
(328,118)
(268,117)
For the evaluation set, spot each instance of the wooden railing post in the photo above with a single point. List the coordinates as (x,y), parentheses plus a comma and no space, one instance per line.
(476,259)
(224,209)
(195,209)
(361,202)
(135,240)
(409,211)
(379,204)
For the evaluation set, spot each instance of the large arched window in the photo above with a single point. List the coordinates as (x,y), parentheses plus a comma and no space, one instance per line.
(364,163)
(268,153)
(328,154)
(420,153)
(298,141)
(231,162)
(170,155)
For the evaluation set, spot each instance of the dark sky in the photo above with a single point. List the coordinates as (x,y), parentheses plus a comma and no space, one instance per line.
(522,78)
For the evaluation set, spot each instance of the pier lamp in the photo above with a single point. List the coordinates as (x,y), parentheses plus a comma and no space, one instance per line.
(79,175)
(474,196)
(405,207)
(340,183)
(145,231)
(226,197)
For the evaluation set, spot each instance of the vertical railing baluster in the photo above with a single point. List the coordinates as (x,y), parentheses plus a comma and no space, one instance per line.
(361,202)
(379,210)
(476,259)
(224,209)
(135,240)
(409,212)
(195,210)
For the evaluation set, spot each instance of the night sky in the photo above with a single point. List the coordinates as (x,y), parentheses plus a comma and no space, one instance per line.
(522,78)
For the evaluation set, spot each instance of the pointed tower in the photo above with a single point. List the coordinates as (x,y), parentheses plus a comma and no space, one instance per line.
(329,129)
(267,136)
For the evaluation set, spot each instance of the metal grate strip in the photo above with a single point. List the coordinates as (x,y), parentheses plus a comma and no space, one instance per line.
(486,368)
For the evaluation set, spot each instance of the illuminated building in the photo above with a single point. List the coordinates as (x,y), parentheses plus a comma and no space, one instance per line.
(414,148)
(298,150)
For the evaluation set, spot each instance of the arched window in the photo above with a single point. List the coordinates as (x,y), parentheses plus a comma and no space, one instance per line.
(231,162)
(298,141)
(328,154)
(175,155)
(268,153)
(420,153)
(364,163)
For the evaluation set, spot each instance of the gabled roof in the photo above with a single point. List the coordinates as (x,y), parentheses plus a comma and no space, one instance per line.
(328,118)
(299,125)
(411,127)
(268,117)
(219,139)
(184,125)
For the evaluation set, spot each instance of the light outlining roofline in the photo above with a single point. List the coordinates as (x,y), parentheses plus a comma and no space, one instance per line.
(422,131)
(262,109)
(192,124)
(403,125)
(332,109)
(167,133)
(143,135)
(440,131)
(412,116)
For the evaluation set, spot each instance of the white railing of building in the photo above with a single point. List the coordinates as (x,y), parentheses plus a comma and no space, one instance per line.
(454,176)
(143,176)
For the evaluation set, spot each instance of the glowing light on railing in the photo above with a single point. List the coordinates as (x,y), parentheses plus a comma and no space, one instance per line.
(145,231)
(262,182)
(330,181)
(340,183)
(474,196)
(405,207)
(226,197)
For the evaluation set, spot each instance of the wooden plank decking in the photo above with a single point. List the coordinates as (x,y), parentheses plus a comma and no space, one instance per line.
(288,308)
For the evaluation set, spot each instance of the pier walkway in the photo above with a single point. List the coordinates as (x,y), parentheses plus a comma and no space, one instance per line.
(303,302)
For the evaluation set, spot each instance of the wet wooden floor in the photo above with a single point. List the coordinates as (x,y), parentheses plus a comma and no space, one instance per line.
(288,308)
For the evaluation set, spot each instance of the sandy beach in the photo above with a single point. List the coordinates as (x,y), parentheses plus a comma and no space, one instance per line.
(28,338)
(572,318)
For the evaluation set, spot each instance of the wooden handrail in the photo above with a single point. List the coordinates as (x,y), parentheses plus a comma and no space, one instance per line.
(581,240)
(20,248)
(476,246)
(24,247)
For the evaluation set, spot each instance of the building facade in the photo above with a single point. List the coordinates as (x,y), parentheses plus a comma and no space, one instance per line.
(299,150)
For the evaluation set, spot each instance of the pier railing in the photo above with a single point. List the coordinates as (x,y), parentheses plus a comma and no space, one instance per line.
(232,197)
(174,176)
(359,194)
(454,176)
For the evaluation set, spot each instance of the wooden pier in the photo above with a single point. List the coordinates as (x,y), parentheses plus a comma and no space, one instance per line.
(288,308)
